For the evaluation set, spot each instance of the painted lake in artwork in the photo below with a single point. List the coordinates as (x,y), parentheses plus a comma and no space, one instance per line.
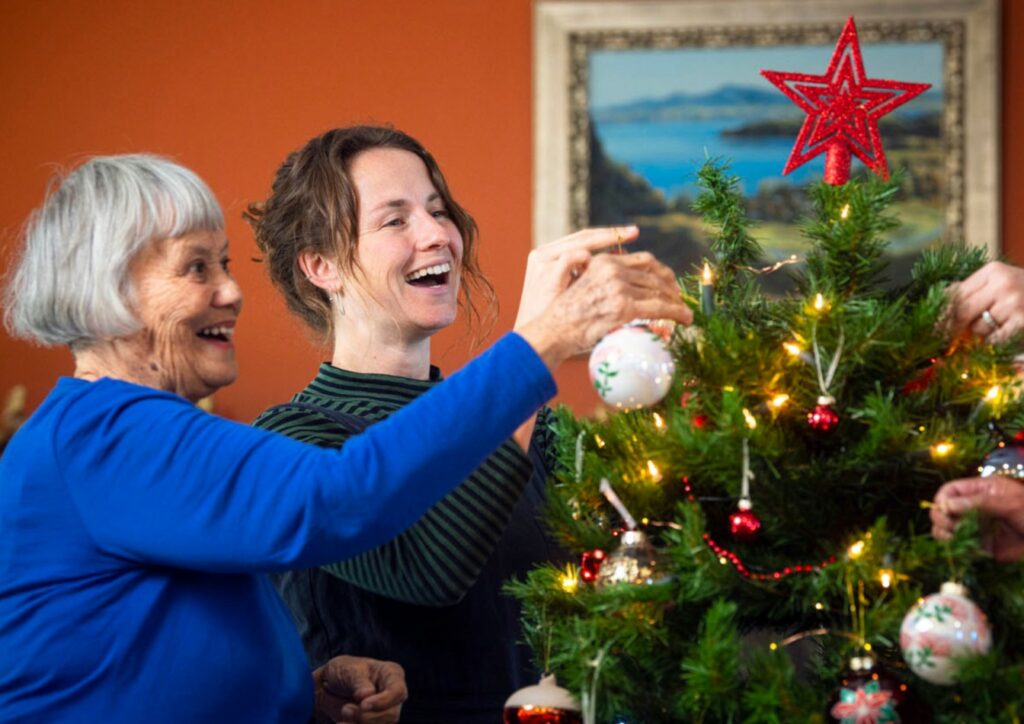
(666,153)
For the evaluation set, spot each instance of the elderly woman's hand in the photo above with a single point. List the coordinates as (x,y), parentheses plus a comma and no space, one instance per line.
(609,292)
(356,689)
(1000,499)
(989,303)
(551,268)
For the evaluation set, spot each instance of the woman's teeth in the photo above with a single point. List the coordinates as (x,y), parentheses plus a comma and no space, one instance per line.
(430,271)
(224,333)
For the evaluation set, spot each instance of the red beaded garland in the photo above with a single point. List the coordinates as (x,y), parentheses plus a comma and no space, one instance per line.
(737,562)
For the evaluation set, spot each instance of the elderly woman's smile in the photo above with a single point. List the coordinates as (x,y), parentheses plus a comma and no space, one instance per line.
(187,302)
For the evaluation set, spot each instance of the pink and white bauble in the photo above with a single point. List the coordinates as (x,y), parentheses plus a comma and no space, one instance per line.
(631,368)
(942,627)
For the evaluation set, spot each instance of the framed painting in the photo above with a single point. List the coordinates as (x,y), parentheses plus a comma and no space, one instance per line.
(632,97)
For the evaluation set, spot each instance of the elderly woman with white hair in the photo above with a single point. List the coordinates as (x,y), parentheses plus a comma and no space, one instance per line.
(135,526)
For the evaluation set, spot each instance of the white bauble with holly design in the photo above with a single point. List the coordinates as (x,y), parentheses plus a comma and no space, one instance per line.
(631,368)
(940,628)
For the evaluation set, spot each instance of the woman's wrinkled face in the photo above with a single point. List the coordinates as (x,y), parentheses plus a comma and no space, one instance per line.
(188,304)
(409,251)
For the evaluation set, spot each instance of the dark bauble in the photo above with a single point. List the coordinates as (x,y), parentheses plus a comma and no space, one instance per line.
(868,693)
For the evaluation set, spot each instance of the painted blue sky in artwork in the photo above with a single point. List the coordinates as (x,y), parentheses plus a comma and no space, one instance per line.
(622,76)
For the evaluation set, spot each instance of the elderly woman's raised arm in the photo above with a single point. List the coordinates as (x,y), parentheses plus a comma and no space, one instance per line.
(175,486)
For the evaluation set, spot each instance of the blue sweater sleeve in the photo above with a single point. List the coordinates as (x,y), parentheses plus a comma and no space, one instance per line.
(156,480)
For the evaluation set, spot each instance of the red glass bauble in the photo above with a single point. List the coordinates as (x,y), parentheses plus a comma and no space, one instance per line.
(545,703)
(744,525)
(823,418)
(590,564)
(540,715)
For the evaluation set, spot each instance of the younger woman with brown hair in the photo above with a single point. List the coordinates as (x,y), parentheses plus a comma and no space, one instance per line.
(364,239)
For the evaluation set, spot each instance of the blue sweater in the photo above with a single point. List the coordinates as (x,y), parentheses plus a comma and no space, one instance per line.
(134,527)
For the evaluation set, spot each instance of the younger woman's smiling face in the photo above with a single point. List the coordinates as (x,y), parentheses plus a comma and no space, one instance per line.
(409,250)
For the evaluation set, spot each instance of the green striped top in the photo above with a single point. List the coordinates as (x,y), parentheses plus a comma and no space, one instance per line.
(436,560)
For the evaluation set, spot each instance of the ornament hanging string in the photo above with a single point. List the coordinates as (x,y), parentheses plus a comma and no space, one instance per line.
(954,570)
(825,380)
(858,602)
(579,456)
(613,498)
(590,695)
(748,474)
(743,524)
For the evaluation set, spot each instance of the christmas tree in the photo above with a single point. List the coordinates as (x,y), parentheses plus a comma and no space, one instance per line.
(755,546)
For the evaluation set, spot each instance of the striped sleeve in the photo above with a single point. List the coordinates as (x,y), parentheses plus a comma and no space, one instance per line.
(437,559)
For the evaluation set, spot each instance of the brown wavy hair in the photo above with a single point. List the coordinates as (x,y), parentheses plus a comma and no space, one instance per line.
(313,206)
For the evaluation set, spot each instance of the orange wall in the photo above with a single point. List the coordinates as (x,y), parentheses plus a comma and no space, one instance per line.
(228,88)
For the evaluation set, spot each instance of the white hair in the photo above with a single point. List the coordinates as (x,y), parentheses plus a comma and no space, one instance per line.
(72,283)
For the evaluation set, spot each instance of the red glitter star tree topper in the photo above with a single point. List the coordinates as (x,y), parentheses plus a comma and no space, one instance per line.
(843,107)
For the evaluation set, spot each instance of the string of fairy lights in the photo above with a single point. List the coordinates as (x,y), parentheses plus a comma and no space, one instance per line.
(775,401)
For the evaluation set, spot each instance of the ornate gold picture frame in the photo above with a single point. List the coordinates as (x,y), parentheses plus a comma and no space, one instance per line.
(571,37)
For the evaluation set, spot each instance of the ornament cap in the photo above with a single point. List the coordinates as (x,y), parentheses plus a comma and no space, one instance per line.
(952,588)
(826,400)
(745,504)
(547,694)
(859,664)
(633,538)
